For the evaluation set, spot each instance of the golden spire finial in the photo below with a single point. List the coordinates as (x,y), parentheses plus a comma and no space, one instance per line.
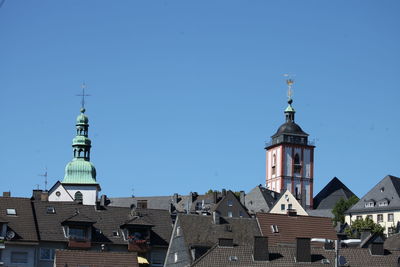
(289,82)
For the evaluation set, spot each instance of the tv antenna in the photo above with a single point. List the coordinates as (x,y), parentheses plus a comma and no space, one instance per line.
(45,179)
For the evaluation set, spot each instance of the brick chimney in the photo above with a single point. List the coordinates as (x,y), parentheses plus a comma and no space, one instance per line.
(7,194)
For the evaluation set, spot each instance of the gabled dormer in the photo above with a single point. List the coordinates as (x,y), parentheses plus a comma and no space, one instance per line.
(78,229)
(136,231)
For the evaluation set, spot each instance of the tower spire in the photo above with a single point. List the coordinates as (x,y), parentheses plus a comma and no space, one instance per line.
(289,111)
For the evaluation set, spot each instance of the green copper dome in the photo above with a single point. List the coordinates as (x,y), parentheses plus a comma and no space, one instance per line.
(80,171)
(82,118)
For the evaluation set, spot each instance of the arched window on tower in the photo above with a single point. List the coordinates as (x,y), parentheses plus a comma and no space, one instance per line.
(78,197)
(297,164)
(273,164)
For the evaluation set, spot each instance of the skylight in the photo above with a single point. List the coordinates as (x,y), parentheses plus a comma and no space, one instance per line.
(11,212)
(50,210)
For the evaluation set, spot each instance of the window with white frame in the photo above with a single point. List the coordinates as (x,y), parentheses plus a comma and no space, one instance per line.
(359,217)
(383,203)
(282,206)
(47,254)
(370,204)
(230,214)
(11,212)
(19,257)
(380,218)
(390,217)
(369,217)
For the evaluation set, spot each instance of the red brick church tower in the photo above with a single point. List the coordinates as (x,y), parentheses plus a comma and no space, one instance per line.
(290,158)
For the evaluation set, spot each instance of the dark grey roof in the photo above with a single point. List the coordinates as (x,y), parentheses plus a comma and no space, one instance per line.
(285,256)
(23,224)
(389,188)
(290,128)
(260,199)
(155,202)
(392,242)
(320,213)
(331,193)
(200,230)
(106,220)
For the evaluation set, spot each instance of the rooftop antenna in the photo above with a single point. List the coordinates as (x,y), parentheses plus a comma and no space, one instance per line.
(83,86)
(45,179)
(133,190)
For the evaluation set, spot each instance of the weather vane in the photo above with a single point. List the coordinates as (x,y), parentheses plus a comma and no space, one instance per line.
(289,82)
(83,95)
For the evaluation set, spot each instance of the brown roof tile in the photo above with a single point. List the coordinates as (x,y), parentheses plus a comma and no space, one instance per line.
(74,258)
(290,227)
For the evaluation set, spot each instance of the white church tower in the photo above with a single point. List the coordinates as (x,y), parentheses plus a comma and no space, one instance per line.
(290,158)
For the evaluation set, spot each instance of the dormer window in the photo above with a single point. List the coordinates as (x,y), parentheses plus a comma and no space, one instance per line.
(383,203)
(11,212)
(370,204)
(50,210)
(77,233)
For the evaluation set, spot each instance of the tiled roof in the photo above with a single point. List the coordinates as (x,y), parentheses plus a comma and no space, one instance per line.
(284,256)
(320,213)
(74,258)
(331,193)
(107,220)
(392,242)
(290,227)
(23,223)
(387,188)
(200,230)
(155,202)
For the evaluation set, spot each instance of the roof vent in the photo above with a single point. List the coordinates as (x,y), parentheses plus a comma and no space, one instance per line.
(325,261)
(228,228)
(233,258)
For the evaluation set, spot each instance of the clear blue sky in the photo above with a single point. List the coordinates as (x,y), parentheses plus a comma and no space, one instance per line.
(185,93)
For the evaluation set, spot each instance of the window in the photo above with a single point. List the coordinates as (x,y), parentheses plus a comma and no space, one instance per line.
(233,258)
(230,214)
(290,206)
(282,206)
(47,254)
(78,196)
(50,210)
(359,217)
(274,228)
(230,203)
(176,257)
(274,164)
(58,193)
(383,203)
(115,234)
(142,204)
(19,257)
(297,164)
(178,231)
(390,217)
(241,214)
(380,217)
(11,212)
(369,217)
(370,204)
(77,233)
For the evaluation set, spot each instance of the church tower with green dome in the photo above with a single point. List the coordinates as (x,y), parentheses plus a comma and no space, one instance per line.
(79,183)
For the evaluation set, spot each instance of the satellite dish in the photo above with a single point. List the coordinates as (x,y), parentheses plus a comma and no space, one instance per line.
(10,235)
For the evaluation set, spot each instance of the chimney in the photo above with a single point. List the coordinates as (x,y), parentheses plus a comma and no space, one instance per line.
(98,205)
(223,192)
(36,194)
(7,194)
(225,242)
(242,198)
(44,196)
(103,201)
(216,217)
(303,249)
(260,250)
(175,198)
(193,196)
(291,212)
(215,197)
